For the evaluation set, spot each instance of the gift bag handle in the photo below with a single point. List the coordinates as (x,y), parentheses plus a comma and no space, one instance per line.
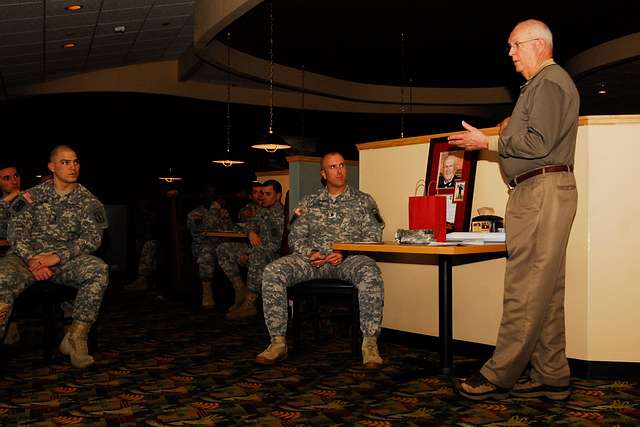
(420,183)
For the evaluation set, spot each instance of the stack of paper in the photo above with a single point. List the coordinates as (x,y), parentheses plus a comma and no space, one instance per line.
(460,236)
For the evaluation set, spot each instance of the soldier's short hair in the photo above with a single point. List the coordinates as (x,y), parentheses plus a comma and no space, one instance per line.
(57,149)
(8,163)
(327,154)
(273,183)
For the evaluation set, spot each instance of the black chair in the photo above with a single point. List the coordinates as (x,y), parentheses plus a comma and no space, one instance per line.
(307,298)
(41,302)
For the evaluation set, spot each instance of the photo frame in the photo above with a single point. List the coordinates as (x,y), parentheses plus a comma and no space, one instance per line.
(451,172)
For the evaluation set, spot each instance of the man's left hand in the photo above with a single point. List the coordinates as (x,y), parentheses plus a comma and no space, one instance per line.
(473,139)
(254,239)
(335,258)
(43,261)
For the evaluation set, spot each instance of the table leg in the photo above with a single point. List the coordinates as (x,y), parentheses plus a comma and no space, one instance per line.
(445,306)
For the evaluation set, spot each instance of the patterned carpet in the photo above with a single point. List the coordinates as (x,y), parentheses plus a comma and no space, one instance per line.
(168,364)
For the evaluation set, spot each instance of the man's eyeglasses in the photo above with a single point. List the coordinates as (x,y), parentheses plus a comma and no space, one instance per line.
(516,45)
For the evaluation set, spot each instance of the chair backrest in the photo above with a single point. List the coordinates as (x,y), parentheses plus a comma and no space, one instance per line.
(284,246)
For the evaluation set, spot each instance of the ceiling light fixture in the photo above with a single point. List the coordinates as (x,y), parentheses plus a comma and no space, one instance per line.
(601,89)
(170,178)
(226,162)
(69,45)
(119,29)
(272,142)
(73,7)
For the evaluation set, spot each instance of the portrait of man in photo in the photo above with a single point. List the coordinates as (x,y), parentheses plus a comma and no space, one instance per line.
(450,168)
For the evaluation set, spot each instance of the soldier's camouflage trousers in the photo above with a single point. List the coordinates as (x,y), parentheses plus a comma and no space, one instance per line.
(292,269)
(86,273)
(206,259)
(148,258)
(229,258)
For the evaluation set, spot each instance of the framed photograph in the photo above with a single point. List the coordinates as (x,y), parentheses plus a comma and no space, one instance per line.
(451,172)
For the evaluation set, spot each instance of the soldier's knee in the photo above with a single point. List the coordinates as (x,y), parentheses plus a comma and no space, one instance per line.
(95,267)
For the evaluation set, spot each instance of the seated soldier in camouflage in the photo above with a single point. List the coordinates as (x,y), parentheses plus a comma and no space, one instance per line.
(265,239)
(337,213)
(255,201)
(10,189)
(209,216)
(54,228)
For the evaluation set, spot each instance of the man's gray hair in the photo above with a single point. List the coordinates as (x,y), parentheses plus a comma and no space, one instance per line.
(538,29)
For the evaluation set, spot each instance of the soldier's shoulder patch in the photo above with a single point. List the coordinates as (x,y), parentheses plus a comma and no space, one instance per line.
(21,203)
(28,197)
(99,215)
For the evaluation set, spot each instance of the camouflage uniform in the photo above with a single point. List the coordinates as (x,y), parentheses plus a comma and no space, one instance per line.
(204,248)
(353,216)
(70,226)
(248,212)
(5,216)
(148,261)
(269,224)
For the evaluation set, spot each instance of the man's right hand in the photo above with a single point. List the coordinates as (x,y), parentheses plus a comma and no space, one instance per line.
(43,273)
(11,196)
(316,259)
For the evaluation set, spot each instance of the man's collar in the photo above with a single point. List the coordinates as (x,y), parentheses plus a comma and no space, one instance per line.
(346,190)
(543,65)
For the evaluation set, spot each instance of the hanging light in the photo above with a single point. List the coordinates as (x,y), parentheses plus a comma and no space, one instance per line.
(402,84)
(272,142)
(227,162)
(170,177)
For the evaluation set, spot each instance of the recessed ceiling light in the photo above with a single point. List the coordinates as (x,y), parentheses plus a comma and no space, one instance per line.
(73,7)
(69,45)
(601,89)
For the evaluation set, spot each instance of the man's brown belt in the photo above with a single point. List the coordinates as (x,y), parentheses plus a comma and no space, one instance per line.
(535,172)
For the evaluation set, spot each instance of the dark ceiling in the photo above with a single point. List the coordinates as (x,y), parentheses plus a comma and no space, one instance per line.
(126,140)
(446,44)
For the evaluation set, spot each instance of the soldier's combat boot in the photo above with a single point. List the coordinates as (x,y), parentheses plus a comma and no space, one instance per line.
(370,357)
(276,351)
(140,284)
(74,344)
(207,295)
(246,310)
(13,334)
(240,293)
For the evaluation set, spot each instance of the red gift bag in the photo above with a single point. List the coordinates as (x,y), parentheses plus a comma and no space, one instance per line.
(428,212)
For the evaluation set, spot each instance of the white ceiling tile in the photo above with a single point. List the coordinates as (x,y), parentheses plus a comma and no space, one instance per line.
(20,11)
(58,45)
(20,79)
(57,7)
(136,14)
(20,59)
(107,29)
(183,9)
(176,22)
(157,35)
(126,4)
(69,33)
(145,54)
(115,49)
(22,49)
(151,44)
(21,38)
(114,39)
(28,68)
(76,20)
(21,26)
